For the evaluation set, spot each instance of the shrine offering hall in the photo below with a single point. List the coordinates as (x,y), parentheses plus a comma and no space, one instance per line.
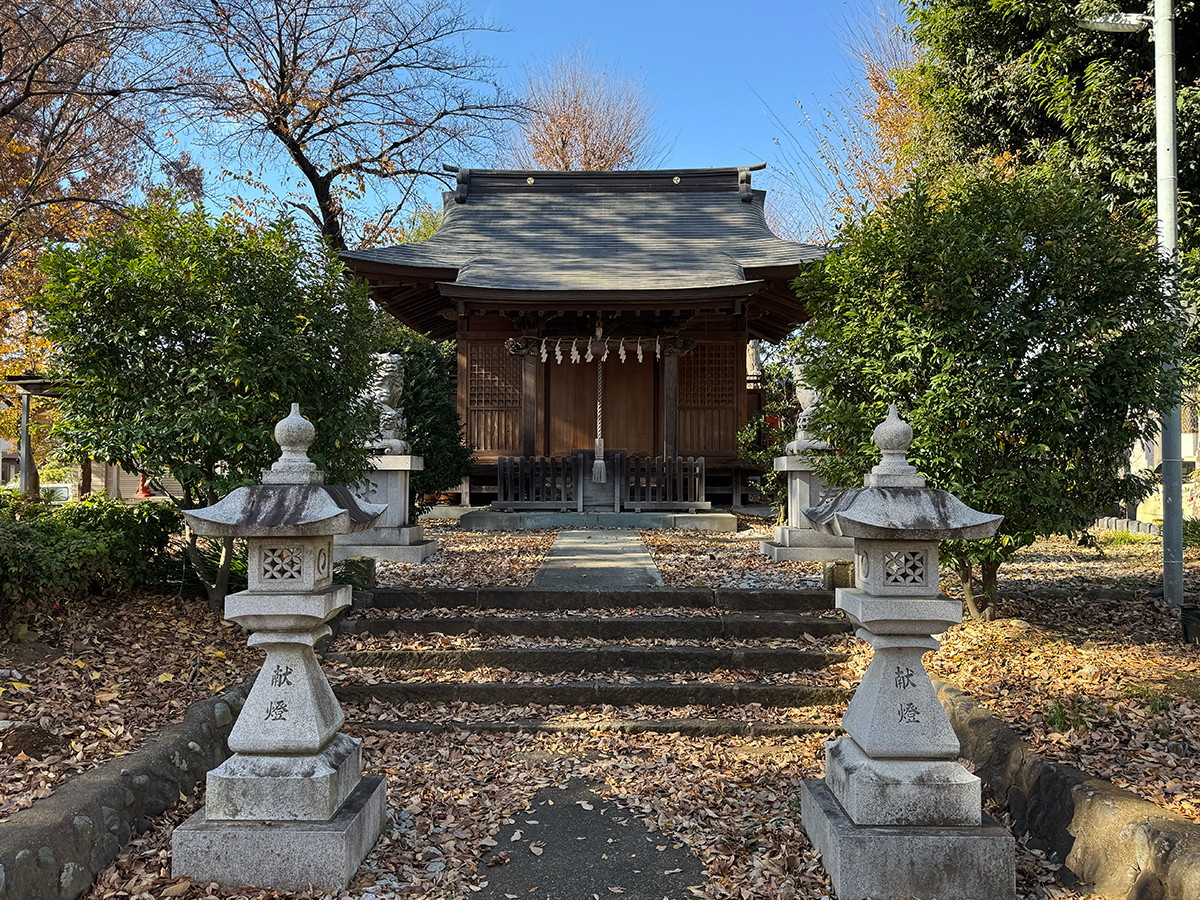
(586,305)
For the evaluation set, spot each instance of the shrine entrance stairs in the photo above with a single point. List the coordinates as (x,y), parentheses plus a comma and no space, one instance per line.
(688,660)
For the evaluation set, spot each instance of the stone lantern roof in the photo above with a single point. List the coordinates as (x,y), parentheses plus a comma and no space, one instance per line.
(895,504)
(293,499)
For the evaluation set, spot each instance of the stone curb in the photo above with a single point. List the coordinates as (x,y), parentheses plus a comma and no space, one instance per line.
(1115,524)
(684,727)
(54,849)
(1104,836)
(538,599)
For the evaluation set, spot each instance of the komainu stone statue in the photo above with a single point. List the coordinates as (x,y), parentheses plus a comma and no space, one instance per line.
(387,392)
(808,400)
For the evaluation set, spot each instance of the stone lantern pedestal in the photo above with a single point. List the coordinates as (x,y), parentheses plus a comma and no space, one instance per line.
(392,539)
(798,541)
(291,808)
(897,814)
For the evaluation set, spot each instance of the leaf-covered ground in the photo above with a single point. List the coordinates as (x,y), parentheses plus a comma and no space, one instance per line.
(1083,662)
(103,678)
(734,803)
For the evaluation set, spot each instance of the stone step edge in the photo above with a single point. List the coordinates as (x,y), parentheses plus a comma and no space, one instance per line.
(554,660)
(592,693)
(606,627)
(805,599)
(88,819)
(684,727)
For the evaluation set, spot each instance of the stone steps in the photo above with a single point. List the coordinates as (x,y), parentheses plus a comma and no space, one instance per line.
(595,693)
(725,599)
(744,626)
(687,727)
(582,661)
(617,657)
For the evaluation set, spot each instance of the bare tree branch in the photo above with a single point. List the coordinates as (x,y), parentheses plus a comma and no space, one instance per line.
(583,114)
(355,93)
(859,148)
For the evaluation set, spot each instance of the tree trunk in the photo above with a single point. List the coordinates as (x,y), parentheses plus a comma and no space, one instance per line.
(214,578)
(966,574)
(991,591)
(329,219)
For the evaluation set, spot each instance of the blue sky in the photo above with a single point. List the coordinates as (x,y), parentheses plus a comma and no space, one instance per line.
(727,79)
(717,70)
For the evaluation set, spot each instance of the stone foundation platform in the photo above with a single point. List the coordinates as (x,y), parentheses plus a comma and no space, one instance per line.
(489,519)
(400,553)
(946,862)
(805,545)
(287,856)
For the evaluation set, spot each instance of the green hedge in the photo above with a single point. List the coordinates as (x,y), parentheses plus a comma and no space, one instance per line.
(50,555)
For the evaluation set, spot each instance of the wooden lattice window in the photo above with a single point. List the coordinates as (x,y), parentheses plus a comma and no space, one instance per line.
(494,377)
(708,385)
(707,377)
(493,399)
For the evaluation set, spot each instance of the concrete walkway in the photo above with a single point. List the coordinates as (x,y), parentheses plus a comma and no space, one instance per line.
(585,560)
(586,847)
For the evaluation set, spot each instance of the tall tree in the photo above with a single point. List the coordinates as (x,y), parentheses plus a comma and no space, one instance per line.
(582,114)
(358,95)
(860,147)
(75,78)
(1024,79)
(1021,328)
(182,340)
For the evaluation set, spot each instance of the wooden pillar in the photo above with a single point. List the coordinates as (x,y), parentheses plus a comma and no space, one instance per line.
(528,404)
(670,405)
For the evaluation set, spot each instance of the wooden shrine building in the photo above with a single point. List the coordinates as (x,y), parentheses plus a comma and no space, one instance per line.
(619,299)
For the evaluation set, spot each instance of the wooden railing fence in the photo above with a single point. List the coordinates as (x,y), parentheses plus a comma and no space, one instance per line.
(539,482)
(663,482)
(635,483)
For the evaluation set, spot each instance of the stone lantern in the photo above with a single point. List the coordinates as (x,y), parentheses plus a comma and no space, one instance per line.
(290,808)
(896,813)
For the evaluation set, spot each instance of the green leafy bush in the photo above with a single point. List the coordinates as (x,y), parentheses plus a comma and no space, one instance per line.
(50,555)
(55,471)
(1020,326)
(143,531)
(767,435)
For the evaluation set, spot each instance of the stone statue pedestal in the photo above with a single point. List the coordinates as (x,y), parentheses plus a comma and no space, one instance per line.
(393,539)
(798,541)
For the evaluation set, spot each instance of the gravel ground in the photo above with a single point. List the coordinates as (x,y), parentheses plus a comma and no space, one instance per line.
(472,558)
(685,558)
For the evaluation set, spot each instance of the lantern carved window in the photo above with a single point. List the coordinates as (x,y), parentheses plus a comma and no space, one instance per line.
(904,567)
(282,563)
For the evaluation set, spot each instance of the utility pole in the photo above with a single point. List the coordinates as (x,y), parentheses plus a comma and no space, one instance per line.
(1161,21)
